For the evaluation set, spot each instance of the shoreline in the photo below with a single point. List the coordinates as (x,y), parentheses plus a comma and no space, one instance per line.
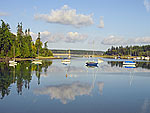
(26,59)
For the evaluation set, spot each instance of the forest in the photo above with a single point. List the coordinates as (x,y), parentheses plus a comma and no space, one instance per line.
(129,51)
(21,45)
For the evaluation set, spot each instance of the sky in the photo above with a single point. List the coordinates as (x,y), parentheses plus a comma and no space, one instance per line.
(81,24)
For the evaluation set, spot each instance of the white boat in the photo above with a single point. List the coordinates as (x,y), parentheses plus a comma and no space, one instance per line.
(128,62)
(66,60)
(37,61)
(12,62)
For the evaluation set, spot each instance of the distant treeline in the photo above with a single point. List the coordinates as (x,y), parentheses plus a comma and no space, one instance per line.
(77,52)
(21,44)
(129,50)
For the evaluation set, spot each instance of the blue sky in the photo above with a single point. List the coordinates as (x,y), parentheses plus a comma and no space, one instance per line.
(74,24)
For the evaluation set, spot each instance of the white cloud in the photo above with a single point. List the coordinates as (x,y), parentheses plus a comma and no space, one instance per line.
(142,40)
(73,37)
(112,40)
(3,14)
(101,25)
(70,37)
(65,92)
(66,16)
(147,4)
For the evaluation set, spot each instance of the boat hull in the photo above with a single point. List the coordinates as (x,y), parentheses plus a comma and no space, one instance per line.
(91,64)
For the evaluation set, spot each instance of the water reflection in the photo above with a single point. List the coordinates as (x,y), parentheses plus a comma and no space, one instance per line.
(145,65)
(65,92)
(68,92)
(21,75)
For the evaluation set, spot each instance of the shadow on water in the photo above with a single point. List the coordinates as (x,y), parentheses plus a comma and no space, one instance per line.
(21,75)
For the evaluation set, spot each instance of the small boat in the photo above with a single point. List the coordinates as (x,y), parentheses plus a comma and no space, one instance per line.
(65,61)
(128,62)
(91,63)
(12,62)
(36,61)
(91,66)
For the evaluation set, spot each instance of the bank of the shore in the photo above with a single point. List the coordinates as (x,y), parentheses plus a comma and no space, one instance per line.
(27,59)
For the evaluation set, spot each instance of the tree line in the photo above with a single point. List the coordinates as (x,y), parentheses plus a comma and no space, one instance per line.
(129,50)
(21,44)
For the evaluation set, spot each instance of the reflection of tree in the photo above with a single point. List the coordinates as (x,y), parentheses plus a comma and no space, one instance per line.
(145,65)
(21,75)
(117,64)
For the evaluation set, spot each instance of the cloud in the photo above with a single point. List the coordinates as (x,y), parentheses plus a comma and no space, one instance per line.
(65,92)
(112,40)
(3,14)
(101,25)
(142,40)
(147,4)
(70,37)
(73,37)
(66,16)
(116,40)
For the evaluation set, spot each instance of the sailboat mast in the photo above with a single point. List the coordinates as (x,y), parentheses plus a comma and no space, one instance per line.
(93,48)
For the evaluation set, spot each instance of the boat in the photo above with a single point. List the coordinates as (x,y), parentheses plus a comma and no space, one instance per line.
(37,61)
(92,63)
(128,62)
(13,62)
(66,61)
(91,66)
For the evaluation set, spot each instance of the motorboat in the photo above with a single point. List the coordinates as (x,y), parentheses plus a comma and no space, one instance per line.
(12,62)
(91,63)
(65,61)
(128,62)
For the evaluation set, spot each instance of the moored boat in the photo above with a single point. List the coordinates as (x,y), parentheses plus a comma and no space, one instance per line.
(36,61)
(91,63)
(128,62)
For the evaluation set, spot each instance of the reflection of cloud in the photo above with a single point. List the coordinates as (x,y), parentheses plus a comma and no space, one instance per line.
(66,16)
(100,86)
(147,5)
(65,92)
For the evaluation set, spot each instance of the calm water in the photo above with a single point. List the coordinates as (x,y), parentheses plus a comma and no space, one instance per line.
(56,88)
